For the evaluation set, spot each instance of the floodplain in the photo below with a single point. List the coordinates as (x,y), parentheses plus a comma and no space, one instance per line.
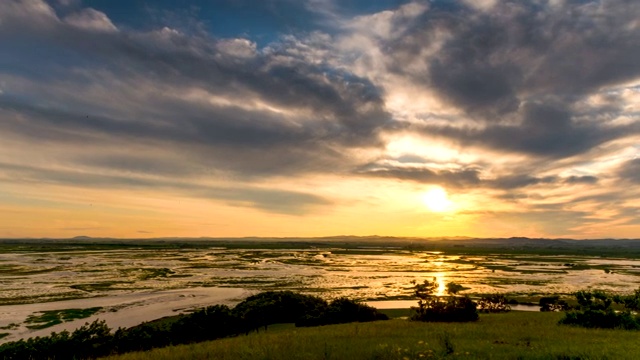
(55,285)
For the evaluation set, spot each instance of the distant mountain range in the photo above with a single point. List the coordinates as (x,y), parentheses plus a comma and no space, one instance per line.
(383,241)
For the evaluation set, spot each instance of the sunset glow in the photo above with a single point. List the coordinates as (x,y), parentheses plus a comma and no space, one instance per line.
(312,118)
(437,201)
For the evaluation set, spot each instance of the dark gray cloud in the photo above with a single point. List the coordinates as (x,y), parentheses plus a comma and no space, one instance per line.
(546,129)
(466,178)
(493,58)
(521,69)
(458,178)
(321,112)
(585,179)
(520,181)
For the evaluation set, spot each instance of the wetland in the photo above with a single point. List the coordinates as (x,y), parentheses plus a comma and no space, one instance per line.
(55,285)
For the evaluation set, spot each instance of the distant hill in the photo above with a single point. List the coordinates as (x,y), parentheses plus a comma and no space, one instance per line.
(374,240)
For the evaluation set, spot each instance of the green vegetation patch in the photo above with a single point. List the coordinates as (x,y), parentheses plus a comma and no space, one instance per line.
(101,286)
(49,318)
(2,335)
(21,270)
(30,299)
(152,273)
(508,268)
(12,326)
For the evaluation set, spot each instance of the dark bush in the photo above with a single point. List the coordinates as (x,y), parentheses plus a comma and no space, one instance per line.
(594,300)
(274,307)
(606,319)
(630,302)
(88,341)
(441,308)
(340,311)
(595,311)
(210,323)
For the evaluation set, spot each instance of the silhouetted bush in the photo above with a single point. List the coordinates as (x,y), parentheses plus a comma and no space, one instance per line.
(606,319)
(210,323)
(595,311)
(441,308)
(88,341)
(493,304)
(213,322)
(340,311)
(273,307)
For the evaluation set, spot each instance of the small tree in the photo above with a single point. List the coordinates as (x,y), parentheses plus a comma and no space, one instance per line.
(441,308)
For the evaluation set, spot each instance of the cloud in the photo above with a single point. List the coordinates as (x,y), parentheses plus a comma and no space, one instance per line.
(235,107)
(471,178)
(545,129)
(525,101)
(630,171)
(90,19)
(270,200)
(519,71)
(586,179)
(458,178)
(493,59)
(519,181)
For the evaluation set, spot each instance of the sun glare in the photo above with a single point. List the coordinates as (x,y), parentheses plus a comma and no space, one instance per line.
(436,200)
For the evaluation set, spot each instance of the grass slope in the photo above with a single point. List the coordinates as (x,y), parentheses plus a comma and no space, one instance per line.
(515,335)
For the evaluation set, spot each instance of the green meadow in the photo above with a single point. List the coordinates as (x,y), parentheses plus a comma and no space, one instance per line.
(514,335)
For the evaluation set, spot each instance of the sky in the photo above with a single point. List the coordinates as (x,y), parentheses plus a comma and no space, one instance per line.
(231,118)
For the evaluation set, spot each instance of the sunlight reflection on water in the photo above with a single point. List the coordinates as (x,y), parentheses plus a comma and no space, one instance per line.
(366,274)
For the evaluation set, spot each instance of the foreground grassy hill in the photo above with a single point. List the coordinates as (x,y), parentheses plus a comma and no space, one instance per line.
(514,335)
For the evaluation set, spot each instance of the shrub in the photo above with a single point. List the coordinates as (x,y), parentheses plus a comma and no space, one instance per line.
(340,311)
(441,308)
(88,341)
(606,319)
(595,311)
(210,323)
(593,300)
(630,302)
(493,304)
(274,307)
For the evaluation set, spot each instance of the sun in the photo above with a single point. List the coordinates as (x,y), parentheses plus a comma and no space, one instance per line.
(436,200)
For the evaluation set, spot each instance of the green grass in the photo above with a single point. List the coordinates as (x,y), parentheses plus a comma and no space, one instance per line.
(515,335)
(396,313)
